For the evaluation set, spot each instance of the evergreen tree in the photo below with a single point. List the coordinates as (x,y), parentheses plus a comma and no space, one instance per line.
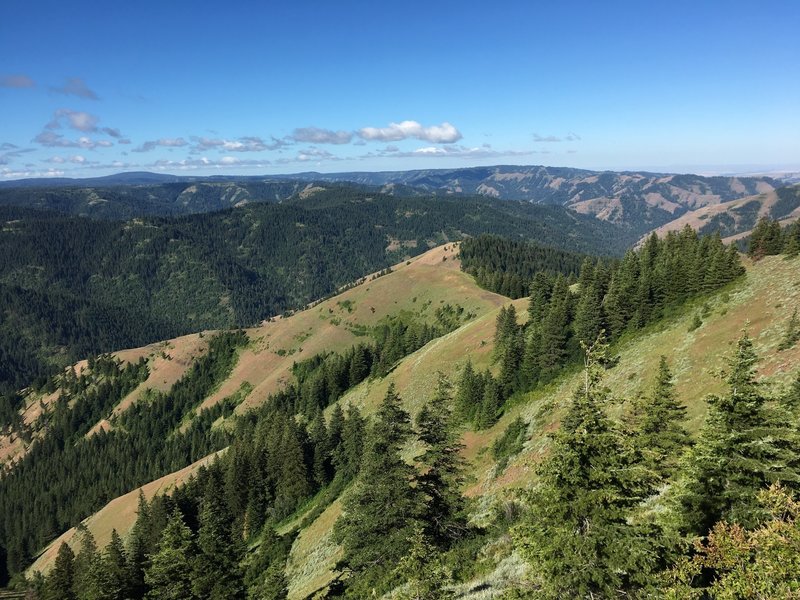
(541,288)
(741,450)
(657,424)
(320,448)
(272,585)
(217,575)
(265,577)
(555,329)
(87,568)
(442,469)
(792,333)
(170,574)
(423,572)
(383,509)
(791,242)
(61,579)
(138,549)
(576,535)
(469,393)
(588,320)
(348,459)
(293,481)
(765,239)
(113,579)
(491,402)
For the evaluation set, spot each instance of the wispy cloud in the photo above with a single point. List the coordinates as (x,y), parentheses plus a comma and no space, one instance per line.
(190,164)
(11,174)
(163,142)
(51,139)
(75,86)
(17,82)
(9,151)
(436,134)
(570,137)
(243,144)
(315,154)
(457,151)
(316,135)
(76,159)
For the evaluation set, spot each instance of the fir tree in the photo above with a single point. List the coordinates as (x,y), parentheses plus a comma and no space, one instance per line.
(87,568)
(348,461)
(742,449)
(792,333)
(555,329)
(61,579)
(422,570)
(491,402)
(442,469)
(138,549)
(576,535)
(383,509)
(657,424)
(469,393)
(541,288)
(217,575)
(114,580)
(170,574)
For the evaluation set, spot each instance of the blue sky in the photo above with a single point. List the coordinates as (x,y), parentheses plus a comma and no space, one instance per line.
(91,88)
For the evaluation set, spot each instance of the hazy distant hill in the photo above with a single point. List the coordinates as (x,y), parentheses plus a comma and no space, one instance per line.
(638,200)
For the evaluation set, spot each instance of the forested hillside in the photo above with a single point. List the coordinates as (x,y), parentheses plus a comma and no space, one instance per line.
(71,287)
(351,476)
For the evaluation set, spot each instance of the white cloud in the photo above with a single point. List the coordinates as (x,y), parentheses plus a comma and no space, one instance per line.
(243,144)
(436,134)
(458,151)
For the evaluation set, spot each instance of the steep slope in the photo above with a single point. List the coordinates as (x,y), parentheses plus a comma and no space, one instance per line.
(417,286)
(72,287)
(735,219)
(762,302)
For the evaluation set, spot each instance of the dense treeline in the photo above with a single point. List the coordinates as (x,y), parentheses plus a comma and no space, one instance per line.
(769,238)
(194,543)
(610,296)
(72,287)
(508,266)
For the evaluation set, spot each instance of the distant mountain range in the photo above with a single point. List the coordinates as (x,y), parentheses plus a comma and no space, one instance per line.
(636,201)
